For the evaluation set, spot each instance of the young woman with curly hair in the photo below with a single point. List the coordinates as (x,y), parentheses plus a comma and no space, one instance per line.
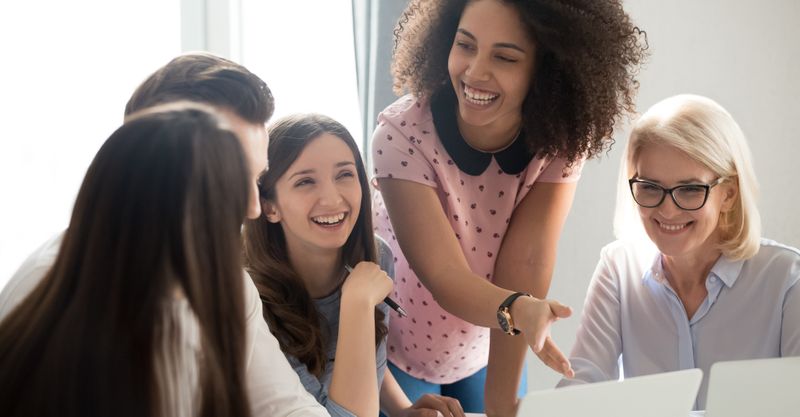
(320,271)
(477,169)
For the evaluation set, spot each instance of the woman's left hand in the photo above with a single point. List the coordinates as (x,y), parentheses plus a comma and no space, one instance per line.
(534,318)
(430,405)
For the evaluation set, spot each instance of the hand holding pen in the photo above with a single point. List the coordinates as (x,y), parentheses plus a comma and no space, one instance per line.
(391,303)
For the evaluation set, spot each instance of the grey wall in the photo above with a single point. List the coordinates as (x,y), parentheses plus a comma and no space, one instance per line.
(742,53)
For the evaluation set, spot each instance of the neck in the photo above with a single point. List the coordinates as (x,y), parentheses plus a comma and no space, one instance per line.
(687,276)
(492,137)
(321,273)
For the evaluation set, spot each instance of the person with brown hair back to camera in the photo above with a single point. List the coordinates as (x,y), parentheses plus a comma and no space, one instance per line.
(246,103)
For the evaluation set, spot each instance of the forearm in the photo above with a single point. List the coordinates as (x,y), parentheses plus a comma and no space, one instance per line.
(506,357)
(473,299)
(392,398)
(524,265)
(507,353)
(354,383)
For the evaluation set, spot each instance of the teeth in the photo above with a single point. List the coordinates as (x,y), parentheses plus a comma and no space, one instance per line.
(478,96)
(328,219)
(672,227)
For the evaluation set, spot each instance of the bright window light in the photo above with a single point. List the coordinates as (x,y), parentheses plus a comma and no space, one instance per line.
(305,52)
(68,69)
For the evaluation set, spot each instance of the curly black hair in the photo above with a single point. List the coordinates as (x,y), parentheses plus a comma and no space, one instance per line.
(587,59)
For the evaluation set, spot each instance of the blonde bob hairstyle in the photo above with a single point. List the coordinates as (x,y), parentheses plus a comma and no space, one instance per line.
(707,133)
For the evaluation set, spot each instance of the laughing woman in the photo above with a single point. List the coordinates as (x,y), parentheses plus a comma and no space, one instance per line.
(477,168)
(317,225)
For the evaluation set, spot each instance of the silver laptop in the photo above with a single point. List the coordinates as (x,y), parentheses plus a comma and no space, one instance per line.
(670,394)
(754,388)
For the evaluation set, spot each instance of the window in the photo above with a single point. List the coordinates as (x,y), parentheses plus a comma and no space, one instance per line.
(68,70)
(305,52)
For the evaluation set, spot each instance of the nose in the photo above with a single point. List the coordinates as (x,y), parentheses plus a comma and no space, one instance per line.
(478,68)
(668,208)
(329,195)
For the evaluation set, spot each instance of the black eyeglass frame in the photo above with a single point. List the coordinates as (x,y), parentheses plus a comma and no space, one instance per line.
(665,191)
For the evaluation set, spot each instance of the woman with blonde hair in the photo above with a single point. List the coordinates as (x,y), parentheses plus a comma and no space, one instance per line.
(705,286)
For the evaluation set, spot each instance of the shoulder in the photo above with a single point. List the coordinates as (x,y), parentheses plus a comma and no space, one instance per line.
(29,274)
(407,116)
(408,109)
(772,249)
(779,258)
(629,258)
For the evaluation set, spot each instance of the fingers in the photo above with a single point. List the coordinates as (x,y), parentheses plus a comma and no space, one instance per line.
(551,356)
(448,407)
(367,282)
(537,338)
(423,412)
(559,310)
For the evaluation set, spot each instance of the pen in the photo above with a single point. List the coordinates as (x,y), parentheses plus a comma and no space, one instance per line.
(389,302)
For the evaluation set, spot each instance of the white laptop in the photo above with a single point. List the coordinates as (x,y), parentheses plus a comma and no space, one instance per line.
(754,388)
(670,394)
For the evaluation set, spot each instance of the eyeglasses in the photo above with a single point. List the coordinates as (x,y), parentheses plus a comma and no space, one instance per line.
(687,197)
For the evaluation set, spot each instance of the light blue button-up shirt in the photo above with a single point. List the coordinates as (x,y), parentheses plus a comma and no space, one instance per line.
(633,321)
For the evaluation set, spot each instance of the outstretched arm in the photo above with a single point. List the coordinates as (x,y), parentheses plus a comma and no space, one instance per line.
(525,263)
(442,267)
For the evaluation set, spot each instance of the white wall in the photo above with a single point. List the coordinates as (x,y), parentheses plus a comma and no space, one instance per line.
(743,54)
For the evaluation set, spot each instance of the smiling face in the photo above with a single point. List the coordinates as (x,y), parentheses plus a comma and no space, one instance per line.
(318,199)
(675,231)
(490,66)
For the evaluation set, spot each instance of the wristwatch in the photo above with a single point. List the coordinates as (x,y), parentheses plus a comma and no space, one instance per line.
(504,314)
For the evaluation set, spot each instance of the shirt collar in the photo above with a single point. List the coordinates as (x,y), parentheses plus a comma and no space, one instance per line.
(726,269)
(512,159)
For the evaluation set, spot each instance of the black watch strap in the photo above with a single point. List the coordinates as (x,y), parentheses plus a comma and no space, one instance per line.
(511,298)
(504,318)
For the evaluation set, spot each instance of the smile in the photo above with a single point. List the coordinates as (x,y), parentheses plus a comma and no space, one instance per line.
(673,227)
(478,97)
(329,220)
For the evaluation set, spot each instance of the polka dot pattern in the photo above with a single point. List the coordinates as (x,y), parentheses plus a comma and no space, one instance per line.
(432,344)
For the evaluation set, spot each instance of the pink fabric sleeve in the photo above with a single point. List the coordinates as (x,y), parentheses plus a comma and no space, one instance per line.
(558,171)
(396,153)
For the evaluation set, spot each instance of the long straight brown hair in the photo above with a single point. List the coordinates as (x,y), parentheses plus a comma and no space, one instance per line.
(288,307)
(160,209)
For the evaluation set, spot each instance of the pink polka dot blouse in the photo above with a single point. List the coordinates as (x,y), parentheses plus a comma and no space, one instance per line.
(432,344)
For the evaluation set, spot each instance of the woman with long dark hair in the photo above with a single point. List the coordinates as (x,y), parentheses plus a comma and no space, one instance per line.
(320,271)
(142,312)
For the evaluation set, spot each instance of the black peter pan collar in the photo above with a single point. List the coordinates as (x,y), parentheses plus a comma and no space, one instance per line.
(512,160)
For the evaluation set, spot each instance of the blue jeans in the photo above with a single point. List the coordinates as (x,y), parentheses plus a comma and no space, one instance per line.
(469,391)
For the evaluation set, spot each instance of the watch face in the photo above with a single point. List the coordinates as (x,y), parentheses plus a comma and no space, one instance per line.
(502,319)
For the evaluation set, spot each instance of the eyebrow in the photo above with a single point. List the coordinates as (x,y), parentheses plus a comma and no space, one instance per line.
(311,171)
(508,45)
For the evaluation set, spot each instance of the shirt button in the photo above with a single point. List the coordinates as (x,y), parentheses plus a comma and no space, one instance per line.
(713,280)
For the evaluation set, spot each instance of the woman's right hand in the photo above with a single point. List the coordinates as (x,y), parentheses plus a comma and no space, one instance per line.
(533,317)
(367,283)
